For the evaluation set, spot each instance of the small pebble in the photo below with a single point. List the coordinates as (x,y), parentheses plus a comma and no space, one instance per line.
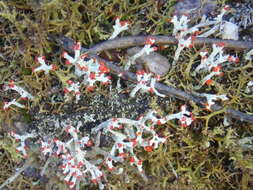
(154,62)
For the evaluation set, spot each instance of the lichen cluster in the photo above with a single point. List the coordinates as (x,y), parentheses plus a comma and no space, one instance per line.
(214,153)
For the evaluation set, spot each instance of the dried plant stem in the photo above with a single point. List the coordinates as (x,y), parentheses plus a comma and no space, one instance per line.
(130,41)
(67,44)
(13,177)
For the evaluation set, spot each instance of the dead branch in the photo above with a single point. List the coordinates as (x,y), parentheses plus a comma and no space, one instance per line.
(67,44)
(130,41)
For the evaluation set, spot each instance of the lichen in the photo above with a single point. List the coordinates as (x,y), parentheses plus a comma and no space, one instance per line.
(208,155)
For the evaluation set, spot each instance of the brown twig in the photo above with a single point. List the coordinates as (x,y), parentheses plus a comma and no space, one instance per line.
(67,44)
(130,41)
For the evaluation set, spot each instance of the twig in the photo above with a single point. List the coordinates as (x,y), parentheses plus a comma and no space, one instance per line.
(13,177)
(130,41)
(67,44)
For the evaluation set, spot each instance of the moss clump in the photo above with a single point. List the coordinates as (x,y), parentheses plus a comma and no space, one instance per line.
(205,156)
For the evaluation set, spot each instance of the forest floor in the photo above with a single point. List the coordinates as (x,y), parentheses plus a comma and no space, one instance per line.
(206,155)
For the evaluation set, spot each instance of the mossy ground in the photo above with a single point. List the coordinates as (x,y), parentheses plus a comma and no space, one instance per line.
(204,156)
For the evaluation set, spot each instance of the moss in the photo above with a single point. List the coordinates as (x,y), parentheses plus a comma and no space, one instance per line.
(204,156)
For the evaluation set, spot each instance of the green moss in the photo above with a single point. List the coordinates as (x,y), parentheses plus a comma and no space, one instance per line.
(205,156)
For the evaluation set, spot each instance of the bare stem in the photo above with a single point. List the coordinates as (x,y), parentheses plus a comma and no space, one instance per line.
(14,176)
(130,41)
